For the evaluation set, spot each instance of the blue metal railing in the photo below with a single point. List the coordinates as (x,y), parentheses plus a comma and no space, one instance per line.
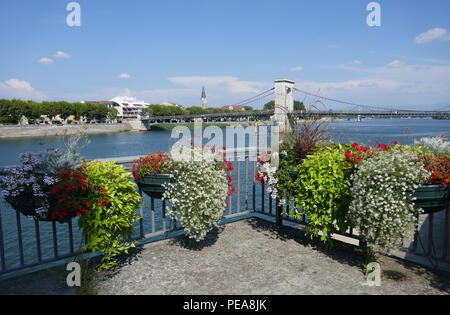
(51,242)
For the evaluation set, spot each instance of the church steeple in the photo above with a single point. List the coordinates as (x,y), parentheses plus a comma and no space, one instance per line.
(204,102)
(203,92)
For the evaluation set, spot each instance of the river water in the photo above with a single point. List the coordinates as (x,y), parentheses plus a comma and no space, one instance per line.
(367,132)
(132,144)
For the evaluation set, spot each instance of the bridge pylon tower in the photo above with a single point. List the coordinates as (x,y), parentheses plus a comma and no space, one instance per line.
(284,103)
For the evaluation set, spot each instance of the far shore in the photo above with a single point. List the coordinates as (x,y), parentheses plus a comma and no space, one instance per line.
(34,131)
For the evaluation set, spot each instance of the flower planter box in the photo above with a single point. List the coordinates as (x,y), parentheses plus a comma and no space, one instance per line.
(152,184)
(432,198)
(25,204)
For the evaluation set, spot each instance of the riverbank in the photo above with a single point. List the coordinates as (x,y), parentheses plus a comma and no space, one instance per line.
(11,132)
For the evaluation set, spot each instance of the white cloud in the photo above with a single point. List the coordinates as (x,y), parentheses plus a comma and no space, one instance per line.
(395,64)
(356,62)
(61,54)
(14,88)
(16,84)
(396,84)
(124,76)
(299,68)
(432,34)
(46,61)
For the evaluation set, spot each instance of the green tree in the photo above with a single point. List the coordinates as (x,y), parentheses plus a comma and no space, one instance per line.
(161,110)
(194,110)
(80,109)
(269,105)
(297,105)
(112,113)
(147,111)
(97,111)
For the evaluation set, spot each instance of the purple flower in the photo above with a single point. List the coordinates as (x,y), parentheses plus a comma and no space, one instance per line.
(49,180)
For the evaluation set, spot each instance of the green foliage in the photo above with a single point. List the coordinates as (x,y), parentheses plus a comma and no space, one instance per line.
(147,111)
(12,110)
(194,110)
(109,225)
(269,105)
(112,113)
(87,284)
(285,167)
(322,192)
(161,110)
(56,160)
(297,105)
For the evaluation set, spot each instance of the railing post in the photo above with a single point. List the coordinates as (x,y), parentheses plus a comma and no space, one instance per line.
(430,234)
(279,217)
(254,187)
(55,239)
(38,240)
(444,253)
(2,245)
(19,233)
(238,190)
(141,213)
(246,181)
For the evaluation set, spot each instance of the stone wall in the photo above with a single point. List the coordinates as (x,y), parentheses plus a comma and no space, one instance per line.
(54,130)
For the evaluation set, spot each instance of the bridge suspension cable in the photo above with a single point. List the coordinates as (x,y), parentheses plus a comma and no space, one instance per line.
(259,100)
(256,98)
(345,102)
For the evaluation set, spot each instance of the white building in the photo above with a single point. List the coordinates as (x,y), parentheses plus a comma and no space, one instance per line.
(127,107)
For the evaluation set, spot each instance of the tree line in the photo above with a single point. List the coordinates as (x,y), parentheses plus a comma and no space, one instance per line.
(11,111)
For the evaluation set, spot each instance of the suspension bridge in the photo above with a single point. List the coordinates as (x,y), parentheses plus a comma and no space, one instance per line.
(320,106)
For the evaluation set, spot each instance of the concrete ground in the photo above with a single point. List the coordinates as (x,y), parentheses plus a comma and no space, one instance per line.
(242,258)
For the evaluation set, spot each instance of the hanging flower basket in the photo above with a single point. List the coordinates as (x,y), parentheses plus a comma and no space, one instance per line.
(48,186)
(153,184)
(26,204)
(432,198)
(152,172)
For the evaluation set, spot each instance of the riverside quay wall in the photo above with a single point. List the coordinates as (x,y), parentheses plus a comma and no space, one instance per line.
(61,130)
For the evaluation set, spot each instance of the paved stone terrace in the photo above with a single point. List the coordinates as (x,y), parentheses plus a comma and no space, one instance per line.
(244,257)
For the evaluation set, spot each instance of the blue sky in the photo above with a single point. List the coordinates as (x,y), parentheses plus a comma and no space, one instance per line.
(166,50)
